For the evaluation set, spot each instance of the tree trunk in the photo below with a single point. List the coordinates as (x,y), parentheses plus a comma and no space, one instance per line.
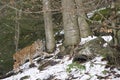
(17,27)
(114,24)
(83,25)
(50,41)
(71,28)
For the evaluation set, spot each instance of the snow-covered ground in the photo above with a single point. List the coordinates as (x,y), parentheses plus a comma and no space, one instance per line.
(94,69)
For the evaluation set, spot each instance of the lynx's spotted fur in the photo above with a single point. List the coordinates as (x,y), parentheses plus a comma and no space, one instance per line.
(29,53)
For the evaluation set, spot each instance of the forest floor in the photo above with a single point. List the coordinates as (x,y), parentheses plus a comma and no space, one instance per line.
(64,69)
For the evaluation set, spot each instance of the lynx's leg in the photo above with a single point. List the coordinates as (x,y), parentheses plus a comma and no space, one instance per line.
(16,67)
(31,62)
(30,59)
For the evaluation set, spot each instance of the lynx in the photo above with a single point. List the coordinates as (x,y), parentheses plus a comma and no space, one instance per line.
(29,53)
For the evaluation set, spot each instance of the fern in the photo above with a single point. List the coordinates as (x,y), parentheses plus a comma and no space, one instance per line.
(75,65)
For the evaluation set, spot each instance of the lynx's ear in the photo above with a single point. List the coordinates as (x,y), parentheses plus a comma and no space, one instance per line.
(38,41)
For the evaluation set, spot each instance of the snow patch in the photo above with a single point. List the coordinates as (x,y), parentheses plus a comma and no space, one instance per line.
(94,68)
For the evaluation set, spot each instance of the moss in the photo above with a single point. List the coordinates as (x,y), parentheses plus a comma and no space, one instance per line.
(97,16)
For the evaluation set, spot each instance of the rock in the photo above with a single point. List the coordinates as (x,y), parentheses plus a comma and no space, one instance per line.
(65,50)
(47,63)
(94,47)
(112,56)
(25,77)
(89,50)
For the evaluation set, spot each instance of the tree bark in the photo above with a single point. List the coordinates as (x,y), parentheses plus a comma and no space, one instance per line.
(114,24)
(83,25)
(17,26)
(50,41)
(70,24)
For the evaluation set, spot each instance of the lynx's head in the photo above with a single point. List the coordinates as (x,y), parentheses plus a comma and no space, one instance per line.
(39,45)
